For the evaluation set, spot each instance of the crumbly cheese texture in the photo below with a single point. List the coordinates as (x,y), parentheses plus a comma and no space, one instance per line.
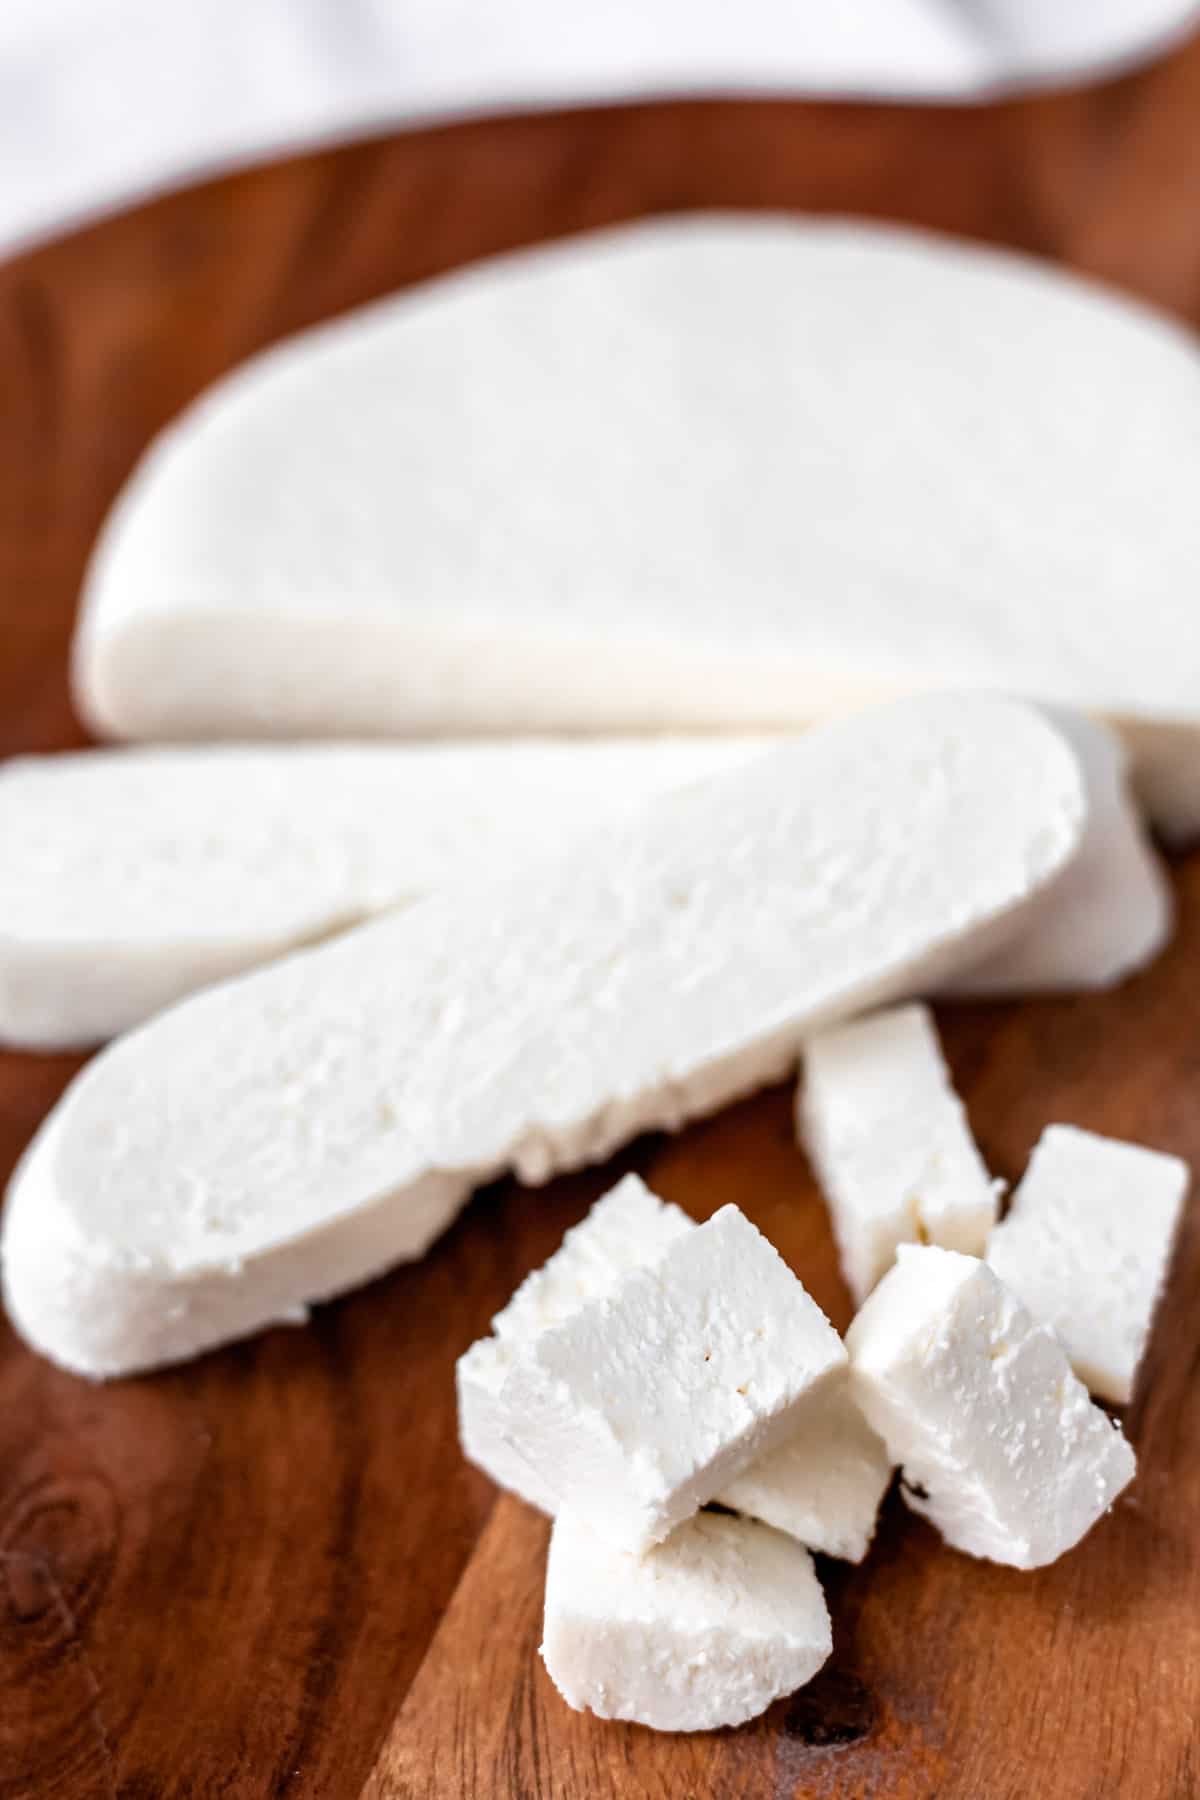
(1000,1446)
(705,1630)
(735,471)
(640,1406)
(132,877)
(890,1144)
(1085,1248)
(1112,911)
(627,1227)
(825,1483)
(822,1486)
(288,1134)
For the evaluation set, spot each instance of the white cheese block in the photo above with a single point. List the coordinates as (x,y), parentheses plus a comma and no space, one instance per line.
(1000,1446)
(290,1133)
(735,471)
(626,1228)
(705,1630)
(1085,1248)
(889,1142)
(641,1405)
(823,1485)
(131,877)
(1112,911)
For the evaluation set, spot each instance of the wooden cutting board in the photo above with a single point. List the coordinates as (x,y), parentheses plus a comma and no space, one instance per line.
(270,1573)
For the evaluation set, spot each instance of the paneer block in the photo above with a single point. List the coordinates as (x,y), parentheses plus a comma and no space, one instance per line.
(824,1485)
(1085,1248)
(889,1142)
(645,1403)
(625,1228)
(705,1630)
(999,1444)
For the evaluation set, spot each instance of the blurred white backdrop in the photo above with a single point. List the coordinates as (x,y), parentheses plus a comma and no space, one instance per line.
(105,101)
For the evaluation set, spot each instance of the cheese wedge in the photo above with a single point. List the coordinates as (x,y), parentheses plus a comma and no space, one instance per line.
(1085,1248)
(706,1630)
(822,1486)
(998,1443)
(288,1134)
(132,877)
(889,1142)
(735,471)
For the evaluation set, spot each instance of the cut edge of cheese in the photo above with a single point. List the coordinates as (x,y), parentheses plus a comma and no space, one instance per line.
(998,1443)
(704,1631)
(1086,1245)
(890,1143)
(718,1326)
(824,1485)
(624,1229)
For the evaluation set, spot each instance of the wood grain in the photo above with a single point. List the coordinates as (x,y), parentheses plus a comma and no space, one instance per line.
(246,1577)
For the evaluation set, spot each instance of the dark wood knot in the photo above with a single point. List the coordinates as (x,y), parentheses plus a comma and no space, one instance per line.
(836,1708)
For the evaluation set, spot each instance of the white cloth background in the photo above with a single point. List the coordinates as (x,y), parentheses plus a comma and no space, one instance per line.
(105,101)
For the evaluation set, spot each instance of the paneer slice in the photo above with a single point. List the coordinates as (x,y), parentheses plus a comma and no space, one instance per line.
(286,1135)
(889,1142)
(705,1630)
(824,1485)
(133,877)
(700,471)
(1085,1248)
(625,1228)
(1112,912)
(1000,1446)
(645,1403)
